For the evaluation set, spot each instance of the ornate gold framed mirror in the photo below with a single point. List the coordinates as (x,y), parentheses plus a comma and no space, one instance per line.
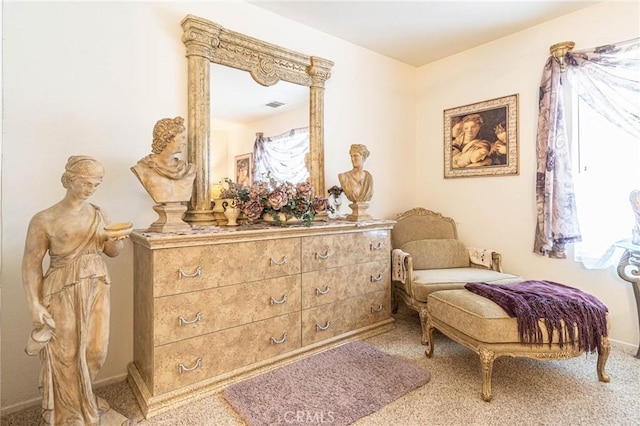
(208,42)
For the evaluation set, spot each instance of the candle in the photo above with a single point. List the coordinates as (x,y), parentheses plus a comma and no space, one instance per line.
(214,190)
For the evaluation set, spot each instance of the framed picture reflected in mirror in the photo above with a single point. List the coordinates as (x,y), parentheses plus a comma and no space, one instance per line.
(244,169)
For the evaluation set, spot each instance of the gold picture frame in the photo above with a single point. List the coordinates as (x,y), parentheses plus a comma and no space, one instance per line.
(481,139)
(243,172)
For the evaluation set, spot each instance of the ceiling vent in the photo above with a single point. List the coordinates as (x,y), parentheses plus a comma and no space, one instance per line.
(274,104)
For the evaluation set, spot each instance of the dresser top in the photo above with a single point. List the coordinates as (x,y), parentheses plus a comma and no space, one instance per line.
(207,235)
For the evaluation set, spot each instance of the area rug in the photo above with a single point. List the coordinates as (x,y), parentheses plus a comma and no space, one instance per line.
(335,387)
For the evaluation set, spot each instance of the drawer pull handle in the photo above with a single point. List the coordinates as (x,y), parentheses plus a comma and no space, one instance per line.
(182,368)
(275,341)
(323,256)
(275,262)
(321,292)
(323,328)
(279,302)
(182,274)
(377,246)
(182,320)
(377,278)
(378,309)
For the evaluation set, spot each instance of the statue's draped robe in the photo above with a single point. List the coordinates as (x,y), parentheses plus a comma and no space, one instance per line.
(357,190)
(165,184)
(76,292)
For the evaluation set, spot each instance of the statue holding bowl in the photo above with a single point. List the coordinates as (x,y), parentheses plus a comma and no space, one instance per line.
(70,303)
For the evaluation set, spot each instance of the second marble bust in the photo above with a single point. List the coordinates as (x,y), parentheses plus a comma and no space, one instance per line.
(166,178)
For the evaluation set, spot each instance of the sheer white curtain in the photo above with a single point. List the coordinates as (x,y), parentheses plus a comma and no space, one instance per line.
(607,169)
(606,162)
(607,78)
(282,157)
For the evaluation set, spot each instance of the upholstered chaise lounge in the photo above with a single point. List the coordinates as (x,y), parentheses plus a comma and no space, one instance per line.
(428,257)
(484,327)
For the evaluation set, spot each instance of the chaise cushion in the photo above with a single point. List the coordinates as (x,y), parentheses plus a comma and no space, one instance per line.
(428,281)
(437,253)
(477,317)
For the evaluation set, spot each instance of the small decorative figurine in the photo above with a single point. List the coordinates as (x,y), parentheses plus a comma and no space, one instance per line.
(168,179)
(70,304)
(357,184)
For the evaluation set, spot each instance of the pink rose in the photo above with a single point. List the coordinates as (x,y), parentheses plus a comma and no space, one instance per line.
(278,199)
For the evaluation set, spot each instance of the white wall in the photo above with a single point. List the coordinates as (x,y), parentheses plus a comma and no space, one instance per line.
(94,77)
(500,212)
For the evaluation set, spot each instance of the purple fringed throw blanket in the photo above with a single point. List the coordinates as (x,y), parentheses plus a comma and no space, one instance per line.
(530,301)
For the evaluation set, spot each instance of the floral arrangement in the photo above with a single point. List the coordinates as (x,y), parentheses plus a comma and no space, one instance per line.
(274,198)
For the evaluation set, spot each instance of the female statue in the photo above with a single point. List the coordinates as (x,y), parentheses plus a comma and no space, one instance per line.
(70,304)
(357,183)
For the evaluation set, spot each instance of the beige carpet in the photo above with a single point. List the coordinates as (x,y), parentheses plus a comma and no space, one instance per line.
(525,392)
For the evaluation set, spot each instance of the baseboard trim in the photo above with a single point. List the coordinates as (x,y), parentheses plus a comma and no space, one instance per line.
(37,401)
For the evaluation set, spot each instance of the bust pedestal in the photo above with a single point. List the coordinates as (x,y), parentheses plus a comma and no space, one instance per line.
(170,218)
(629,270)
(359,212)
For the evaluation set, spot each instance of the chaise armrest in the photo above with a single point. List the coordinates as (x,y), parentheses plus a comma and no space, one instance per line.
(402,268)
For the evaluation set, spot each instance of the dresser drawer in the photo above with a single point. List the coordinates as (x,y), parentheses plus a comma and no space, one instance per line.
(330,285)
(191,314)
(330,251)
(326,321)
(179,270)
(193,360)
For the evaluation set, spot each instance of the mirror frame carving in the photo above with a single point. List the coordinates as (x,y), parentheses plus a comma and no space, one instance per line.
(267,63)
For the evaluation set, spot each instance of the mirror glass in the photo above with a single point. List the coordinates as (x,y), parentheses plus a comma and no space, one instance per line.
(207,43)
(240,109)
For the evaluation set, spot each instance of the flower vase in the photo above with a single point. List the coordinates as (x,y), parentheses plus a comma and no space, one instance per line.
(231,212)
(284,219)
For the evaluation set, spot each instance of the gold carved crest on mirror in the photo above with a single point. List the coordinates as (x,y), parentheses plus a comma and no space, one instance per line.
(207,42)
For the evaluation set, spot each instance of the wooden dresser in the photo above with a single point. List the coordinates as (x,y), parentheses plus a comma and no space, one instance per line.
(218,305)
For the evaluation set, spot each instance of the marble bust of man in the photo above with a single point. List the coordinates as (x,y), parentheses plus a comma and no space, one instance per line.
(166,178)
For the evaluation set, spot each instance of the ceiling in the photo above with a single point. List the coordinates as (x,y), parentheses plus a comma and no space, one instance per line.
(421,31)
(413,32)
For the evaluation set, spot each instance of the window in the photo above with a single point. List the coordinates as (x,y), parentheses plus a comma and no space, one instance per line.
(606,168)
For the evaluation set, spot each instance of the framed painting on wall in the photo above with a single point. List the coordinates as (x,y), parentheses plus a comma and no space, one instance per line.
(481,139)
(244,169)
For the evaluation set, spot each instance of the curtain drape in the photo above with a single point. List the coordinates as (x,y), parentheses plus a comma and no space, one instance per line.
(282,157)
(607,78)
(557,224)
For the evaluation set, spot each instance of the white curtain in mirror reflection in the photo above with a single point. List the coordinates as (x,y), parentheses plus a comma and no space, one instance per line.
(283,157)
